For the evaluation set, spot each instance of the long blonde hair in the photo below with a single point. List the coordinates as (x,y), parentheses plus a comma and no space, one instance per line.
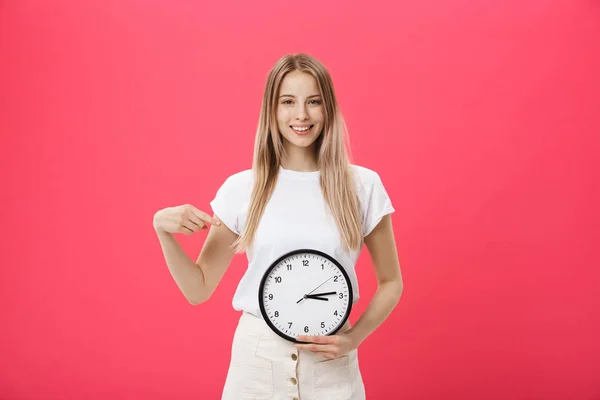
(336,178)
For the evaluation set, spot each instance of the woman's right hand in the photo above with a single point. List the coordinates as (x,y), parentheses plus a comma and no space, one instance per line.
(185,219)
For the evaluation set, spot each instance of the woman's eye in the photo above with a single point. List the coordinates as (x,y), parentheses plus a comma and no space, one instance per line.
(310,102)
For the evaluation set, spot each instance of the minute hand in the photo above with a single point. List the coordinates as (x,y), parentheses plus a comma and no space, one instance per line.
(321,294)
(311,292)
(303,297)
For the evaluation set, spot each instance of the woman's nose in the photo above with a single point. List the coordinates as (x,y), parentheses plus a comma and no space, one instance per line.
(302,114)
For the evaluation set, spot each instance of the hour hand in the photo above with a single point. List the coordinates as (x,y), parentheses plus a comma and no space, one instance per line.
(315,297)
(303,297)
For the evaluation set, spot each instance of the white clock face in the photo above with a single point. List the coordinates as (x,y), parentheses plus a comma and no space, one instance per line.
(305,292)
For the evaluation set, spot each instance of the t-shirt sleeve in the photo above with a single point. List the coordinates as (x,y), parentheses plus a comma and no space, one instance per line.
(228,202)
(377,204)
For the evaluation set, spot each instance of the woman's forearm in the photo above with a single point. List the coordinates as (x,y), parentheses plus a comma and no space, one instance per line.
(187,274)
(382,304)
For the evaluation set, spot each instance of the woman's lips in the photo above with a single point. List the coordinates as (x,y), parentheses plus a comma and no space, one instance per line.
(303,132)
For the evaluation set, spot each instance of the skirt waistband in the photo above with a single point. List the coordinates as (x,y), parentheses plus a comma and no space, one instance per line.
(258,325)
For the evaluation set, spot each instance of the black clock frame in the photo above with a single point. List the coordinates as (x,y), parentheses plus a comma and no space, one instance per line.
(292,253)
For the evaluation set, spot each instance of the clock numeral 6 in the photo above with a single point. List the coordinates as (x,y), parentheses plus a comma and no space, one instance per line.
(306,329)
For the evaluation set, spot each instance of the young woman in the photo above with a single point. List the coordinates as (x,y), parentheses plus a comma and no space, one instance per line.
(302,192)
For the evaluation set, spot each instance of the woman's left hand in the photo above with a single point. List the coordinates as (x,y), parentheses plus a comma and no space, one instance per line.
(333,346)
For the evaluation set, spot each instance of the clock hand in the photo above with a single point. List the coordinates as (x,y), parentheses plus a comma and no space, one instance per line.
(315,289)
(320,285)
(311,296)
(322,294)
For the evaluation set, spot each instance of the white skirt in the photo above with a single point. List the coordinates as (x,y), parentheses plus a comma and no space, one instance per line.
(265,366)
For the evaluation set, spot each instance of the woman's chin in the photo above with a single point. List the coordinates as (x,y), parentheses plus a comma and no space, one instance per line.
(301,141)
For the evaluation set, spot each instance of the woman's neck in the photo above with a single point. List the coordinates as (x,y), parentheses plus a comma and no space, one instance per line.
(300,159)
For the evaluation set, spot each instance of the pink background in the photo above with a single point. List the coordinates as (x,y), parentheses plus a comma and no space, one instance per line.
(486,115)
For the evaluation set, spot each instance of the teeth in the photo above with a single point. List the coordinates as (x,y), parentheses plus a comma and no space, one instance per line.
(300,129)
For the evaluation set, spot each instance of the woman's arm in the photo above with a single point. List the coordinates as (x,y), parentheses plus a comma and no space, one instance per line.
(198,280)
(382,248)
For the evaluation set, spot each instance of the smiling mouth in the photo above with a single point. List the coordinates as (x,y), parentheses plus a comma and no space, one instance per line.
(304,130)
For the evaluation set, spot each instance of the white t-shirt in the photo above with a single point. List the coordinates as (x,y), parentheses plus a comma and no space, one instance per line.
(295,217)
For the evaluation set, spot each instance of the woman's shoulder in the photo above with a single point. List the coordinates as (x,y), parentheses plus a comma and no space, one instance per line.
(373,196)
(240,177)
(237,182)
(365,175)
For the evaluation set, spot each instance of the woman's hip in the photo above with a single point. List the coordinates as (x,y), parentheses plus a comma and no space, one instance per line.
(265,366)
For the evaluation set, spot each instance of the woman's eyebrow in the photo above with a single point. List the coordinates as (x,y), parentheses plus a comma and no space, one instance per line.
(291,95)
